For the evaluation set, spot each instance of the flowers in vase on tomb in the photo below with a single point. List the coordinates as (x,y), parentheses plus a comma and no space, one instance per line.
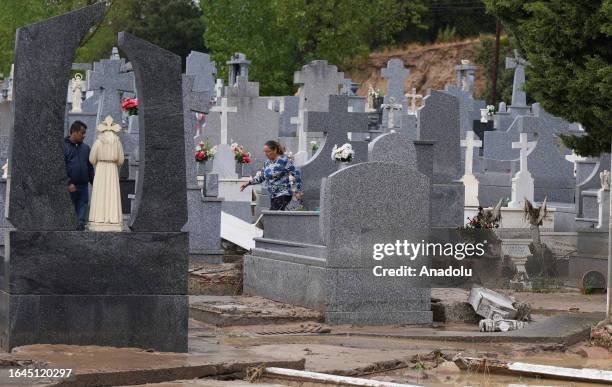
(343,154)
(130,105)
(490,110)
(240,154)
(204,152)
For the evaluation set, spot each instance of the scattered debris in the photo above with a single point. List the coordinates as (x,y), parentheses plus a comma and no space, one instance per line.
(314,329)
(494,306)
(489,325)
(307,377)
(474,364)
(602,336)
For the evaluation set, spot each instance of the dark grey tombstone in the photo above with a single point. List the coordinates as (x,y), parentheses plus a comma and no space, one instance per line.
(204,211)
(161,198)
(336,124)
(38,198)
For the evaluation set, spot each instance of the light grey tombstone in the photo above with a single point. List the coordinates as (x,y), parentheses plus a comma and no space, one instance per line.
(107,79)
(336,124)
(391,204)
(251,125)
(439,122)
(396,75)
(318,80)
(199,65)
(203,205)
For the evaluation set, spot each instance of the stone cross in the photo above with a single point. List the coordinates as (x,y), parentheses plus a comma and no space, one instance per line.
(193,101)
(465,75)
(318,80)
(469,144)
(302,154)
(519,97)
(336,124)
(396,74)
(525,148)
(224,110)
(413,96)
(107,77)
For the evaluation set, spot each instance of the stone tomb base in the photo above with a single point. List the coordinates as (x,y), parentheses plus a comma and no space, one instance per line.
(123,289)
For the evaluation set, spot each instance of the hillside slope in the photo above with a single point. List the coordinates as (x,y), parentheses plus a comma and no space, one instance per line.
(431,66)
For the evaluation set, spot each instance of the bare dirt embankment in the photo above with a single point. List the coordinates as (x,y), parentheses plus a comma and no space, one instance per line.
(432,66)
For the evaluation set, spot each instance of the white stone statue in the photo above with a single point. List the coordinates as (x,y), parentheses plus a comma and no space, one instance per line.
(604,177)
(77,92)
(371,94)
(107,156)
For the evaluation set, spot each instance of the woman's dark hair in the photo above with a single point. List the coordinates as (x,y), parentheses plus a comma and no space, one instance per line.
(275,146)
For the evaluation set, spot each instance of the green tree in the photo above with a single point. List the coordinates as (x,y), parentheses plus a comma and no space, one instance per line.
(568,46)
(175,25)
(282,35)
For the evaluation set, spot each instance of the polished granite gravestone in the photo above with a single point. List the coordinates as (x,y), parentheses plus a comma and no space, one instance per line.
(58,286)
(439,122)
(327,263)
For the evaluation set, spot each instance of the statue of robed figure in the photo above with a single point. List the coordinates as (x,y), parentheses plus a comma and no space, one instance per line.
(107,156)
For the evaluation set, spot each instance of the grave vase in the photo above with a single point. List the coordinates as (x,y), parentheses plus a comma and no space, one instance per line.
(342,164)
(241,170)
(204,168)
(133,124)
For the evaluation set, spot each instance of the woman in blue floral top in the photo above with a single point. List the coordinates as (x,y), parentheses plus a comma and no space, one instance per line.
(277,170)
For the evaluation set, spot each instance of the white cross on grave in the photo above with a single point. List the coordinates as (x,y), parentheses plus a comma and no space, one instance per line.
(224,110)
(413,96)
(522,182)
(469,180)
(469,144)
(301,157)
(525,148)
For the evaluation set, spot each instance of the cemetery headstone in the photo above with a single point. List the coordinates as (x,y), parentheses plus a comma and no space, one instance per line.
(469,180)
(519,97)
(336,124)
(47,298)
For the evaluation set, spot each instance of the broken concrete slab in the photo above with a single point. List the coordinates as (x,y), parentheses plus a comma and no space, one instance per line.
(225,311)
(567,329)
(95,366)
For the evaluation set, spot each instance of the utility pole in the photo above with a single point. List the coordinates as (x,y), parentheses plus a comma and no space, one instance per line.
(495,62)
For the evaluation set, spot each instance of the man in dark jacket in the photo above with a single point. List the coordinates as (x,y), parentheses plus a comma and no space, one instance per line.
(79,170)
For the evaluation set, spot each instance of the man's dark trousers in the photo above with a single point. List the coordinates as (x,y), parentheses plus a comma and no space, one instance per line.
(80,199)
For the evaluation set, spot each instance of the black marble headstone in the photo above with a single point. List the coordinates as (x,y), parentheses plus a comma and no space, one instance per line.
(38,195)
(161,193)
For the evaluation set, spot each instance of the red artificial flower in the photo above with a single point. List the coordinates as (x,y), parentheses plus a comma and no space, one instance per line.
(246,160)
(200,156)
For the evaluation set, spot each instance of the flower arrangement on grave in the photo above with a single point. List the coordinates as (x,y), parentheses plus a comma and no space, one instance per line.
(130,105)
(343,154)
(240,154)
(204,152)
(314,146)
(490,110)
